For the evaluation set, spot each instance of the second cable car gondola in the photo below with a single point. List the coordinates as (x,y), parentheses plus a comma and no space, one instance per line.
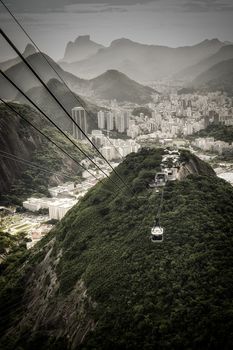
(157,232)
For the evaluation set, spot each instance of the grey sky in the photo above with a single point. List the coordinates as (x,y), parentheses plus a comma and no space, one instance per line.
(52,23)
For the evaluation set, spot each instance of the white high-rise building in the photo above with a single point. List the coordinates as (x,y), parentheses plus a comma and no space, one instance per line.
(58,209)
(80,117)
(110,121)
(126,119)
(120,122)
(101,120)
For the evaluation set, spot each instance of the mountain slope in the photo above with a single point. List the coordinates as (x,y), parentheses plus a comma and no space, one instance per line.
(219,77)
(97,282)
(142,62)
(81,49)
(116,85)
(16,140)
(46,102)
(22,76)
(225,53)
(17,180)
(110,85)
(29,50)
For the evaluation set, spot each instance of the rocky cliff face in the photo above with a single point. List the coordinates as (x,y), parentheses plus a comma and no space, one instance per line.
(81,49)
(71,317)
(193,165)
(15,138)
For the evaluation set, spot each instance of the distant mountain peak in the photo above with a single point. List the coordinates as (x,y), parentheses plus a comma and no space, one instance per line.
(113,84)
(121,41)
(113,72)
(29,50)
(54,83)
(208,42)
(82,38)
(80,49)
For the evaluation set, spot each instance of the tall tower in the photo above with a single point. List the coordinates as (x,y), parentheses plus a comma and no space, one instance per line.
(110,121)
(101,120)
(80,117)
(120,121)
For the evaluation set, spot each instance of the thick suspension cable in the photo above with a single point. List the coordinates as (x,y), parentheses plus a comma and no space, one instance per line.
(160,206)
(53,68)
(58,102)
(56,126)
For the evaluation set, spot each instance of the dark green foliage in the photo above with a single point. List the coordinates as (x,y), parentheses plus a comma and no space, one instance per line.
(174,295)
(13,254)
(145,110)
(219,132)
(31,181)
(12,247)
(156,296)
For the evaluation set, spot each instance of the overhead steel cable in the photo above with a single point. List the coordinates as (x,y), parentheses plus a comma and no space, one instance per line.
(50,140)
(160,206)
(59,103)
(57,127)
(52,67)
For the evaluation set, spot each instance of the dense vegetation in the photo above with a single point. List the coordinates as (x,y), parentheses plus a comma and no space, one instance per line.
(31,180)
(145,110)
(219,132)
(174,295)
(12,248)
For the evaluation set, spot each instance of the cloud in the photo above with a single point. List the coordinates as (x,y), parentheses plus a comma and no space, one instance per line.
(195,6)
(208,6)
(41,6)
(93,8)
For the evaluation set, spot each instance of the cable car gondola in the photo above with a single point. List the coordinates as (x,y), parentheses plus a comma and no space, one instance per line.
(156,232)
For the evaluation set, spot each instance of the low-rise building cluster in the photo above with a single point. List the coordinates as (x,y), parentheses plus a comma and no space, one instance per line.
(212,145)
(113,148)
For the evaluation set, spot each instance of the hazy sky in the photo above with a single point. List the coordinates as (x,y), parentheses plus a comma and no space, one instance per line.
(52,23)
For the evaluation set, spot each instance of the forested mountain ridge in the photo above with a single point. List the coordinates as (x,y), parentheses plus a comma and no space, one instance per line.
(97,282)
